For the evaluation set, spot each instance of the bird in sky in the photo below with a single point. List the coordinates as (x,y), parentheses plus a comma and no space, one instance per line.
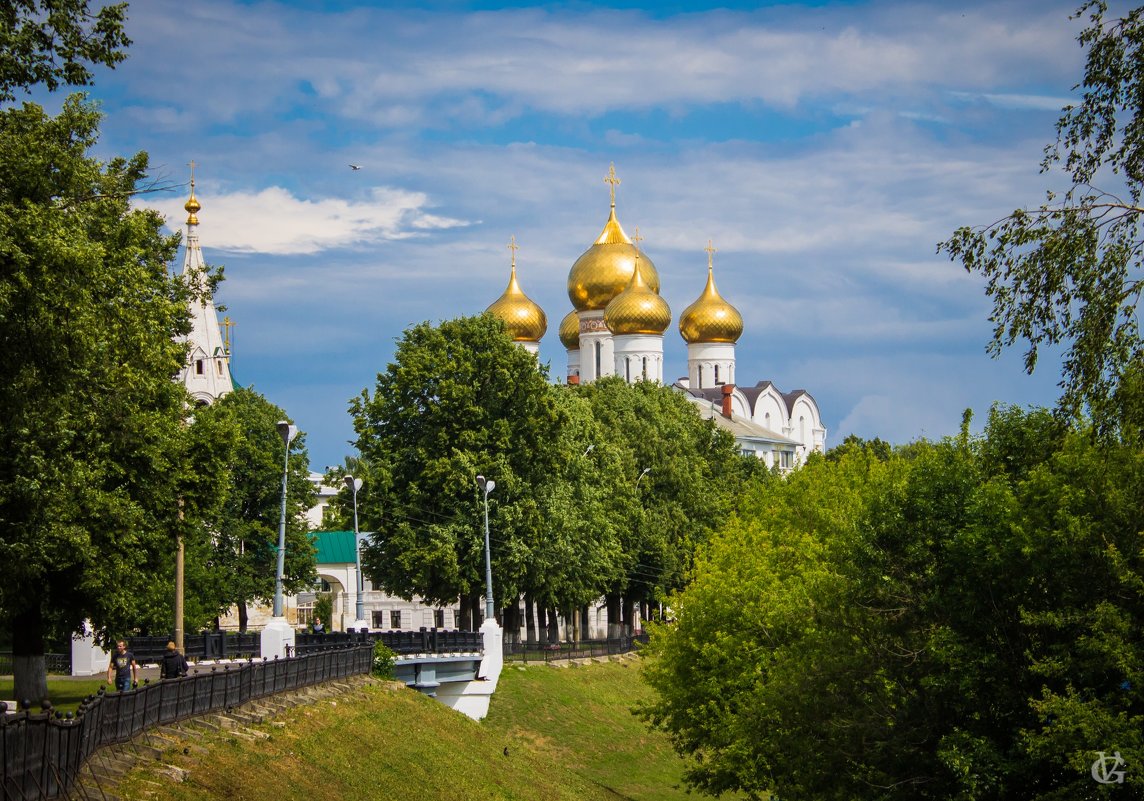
(355,167)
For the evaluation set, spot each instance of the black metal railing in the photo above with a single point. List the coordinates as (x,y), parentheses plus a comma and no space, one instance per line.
(199,647)
(55,663)
(402,643)
(41,754)
(584,649)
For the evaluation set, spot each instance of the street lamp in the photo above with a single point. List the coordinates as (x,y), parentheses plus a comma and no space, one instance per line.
(354,484)
(287,432)
(646,470)
(486,486)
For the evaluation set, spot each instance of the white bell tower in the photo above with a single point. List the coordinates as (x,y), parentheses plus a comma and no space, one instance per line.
(207,373)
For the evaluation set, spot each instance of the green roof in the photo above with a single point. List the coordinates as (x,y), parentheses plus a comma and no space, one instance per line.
(334,547)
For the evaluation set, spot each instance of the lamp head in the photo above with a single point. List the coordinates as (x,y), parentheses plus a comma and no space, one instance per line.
(287,431)
(486,485)
(354,484)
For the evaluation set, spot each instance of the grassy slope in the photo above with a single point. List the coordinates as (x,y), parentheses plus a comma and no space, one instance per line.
(569,732)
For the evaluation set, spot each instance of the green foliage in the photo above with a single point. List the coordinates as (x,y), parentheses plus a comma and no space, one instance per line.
(94,449)
(52,42)
(383,661)
(460,399)
(324,608)
(240,543)
(961,620)
(1069,272)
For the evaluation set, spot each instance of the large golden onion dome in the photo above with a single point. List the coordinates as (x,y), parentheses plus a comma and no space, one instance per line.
(570,330)
(605,269)
(638,309)
(710,318)
(524,319)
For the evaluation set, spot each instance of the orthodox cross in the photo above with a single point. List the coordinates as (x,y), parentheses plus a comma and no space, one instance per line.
(710,255)
(227,324)
(514,248)
(611,178)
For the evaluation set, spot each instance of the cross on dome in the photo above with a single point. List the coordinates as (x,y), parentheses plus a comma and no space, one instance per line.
(710,255)
(514,248)
(611,178)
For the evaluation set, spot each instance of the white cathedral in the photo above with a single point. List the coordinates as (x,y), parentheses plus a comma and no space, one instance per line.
(617,325)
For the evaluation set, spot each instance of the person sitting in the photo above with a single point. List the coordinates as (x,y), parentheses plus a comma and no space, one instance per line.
(174,664)
(317,627)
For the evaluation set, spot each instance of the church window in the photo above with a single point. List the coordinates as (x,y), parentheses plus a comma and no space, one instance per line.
(802,428)
(599,352)
(716,375)
(198,367)
(700,376)
(218,366)
(395,619)
(645,368)
(627,369)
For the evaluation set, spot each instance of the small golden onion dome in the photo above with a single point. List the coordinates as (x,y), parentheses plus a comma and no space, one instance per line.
(192,206)
(524,319)
(710,318)
(570,330)
(638,309)
(605,269)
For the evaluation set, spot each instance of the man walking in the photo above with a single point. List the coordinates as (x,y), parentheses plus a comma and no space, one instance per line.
(123,668)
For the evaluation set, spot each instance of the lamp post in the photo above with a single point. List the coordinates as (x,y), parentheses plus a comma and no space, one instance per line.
(354,484)
(486,486)
(287,432)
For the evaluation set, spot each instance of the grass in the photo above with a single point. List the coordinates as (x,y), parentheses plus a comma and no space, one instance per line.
(569,734)
(65,693)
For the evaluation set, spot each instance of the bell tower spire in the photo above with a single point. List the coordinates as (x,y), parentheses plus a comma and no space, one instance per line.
(207,372)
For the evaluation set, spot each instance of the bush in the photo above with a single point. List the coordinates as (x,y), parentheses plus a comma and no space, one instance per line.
(383,659)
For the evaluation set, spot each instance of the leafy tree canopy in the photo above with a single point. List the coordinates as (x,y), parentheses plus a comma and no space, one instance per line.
(961,620)
(53,42)
(94,446)
(1069,271)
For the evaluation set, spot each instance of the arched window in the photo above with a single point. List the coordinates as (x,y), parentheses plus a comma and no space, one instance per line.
(716,375)
(599,352)
(198,367)
(628,369)
(699,375)
(645,368)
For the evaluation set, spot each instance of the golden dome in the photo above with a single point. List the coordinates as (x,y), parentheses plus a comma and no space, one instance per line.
(605,269)
(192,206)
(710,318)
(570,330)
(524,319)
(638,309)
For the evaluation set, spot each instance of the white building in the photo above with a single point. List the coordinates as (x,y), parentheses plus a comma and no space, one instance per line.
(207,372)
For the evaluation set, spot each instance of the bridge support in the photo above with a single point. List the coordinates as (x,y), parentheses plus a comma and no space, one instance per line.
(472,697)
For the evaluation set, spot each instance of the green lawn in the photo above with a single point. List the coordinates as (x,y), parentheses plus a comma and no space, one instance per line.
(569,735)
(65,692)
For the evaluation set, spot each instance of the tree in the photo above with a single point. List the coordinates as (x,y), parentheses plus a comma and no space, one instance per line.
(962,620)
(243,553)
(93,440)
(460,399)
(51,42)
(1069,272)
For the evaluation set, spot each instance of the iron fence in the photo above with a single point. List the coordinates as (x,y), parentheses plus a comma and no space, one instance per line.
(199,647)
(41,754)
(423,641)
(55,663)
(584,649)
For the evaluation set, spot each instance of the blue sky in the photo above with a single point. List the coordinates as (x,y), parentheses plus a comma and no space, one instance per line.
(825,148)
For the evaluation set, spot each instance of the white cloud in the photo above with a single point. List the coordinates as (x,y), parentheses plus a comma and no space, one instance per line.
(274,221)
